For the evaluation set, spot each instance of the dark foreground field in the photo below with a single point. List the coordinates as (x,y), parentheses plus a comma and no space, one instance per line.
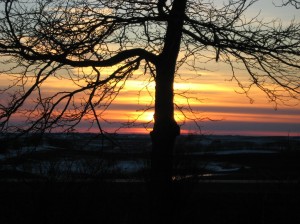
(229,180)
(268,193)
(209,202)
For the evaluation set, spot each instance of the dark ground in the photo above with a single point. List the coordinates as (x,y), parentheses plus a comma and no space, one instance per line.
(267,194)
(210,203)
(264,190)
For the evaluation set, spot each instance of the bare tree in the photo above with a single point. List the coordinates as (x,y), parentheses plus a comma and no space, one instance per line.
(45,40)
(294,3)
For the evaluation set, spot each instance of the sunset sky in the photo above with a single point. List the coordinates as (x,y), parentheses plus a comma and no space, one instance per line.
(220,107)
(233,113)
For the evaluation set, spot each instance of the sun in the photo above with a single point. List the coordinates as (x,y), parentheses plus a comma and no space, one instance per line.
(147,116)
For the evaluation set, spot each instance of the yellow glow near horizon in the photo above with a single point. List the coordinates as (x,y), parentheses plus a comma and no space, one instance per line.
(200,87)
(211,89)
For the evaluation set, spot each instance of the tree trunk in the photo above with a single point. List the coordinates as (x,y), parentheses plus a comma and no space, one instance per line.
(163,138)
(165,128)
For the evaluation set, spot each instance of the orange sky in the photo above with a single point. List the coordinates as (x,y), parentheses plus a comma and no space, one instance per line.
(232,113)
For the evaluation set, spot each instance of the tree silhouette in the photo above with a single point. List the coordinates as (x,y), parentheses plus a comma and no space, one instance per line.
(294,3)
(43,40)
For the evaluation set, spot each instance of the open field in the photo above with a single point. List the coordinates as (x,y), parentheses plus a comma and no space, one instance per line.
(130,202)
(217,179)
(63,157)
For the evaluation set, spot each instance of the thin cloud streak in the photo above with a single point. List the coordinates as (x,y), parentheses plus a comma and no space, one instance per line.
(217,100)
